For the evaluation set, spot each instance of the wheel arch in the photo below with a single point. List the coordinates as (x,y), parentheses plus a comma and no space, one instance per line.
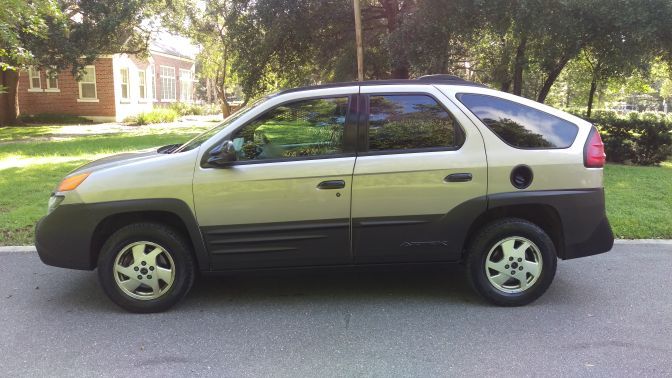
(171,212)
(543,215)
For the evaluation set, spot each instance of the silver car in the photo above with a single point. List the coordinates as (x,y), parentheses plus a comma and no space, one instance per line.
(430,170)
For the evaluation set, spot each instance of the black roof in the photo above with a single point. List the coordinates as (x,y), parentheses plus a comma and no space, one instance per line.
(428,79)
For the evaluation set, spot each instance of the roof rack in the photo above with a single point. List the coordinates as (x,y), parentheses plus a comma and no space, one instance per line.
(427,79)
(440,77)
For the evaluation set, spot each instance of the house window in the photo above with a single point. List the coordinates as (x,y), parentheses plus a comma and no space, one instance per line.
(168,83)
(186,85)
(52,80)
(34,76)
(124,83)
(142,85)
(87,84)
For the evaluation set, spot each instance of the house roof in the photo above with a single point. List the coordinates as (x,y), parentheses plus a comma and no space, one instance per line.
(174,45)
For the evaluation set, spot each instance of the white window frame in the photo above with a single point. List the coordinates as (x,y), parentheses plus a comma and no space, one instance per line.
(48,79)
(122,84)
(190,86)
(95,86)
(142,85)
(32,74)
(172,78)
(151,75)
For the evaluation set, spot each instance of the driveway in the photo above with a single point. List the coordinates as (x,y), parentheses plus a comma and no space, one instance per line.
(608,315)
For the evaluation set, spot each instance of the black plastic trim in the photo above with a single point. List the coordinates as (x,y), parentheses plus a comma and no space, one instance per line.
(585,227)
(319,242)
(64,238)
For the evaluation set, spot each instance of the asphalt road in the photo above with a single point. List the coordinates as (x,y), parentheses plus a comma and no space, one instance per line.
(608,315)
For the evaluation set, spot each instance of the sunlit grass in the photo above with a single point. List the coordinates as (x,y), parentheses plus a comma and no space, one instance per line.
(30,170)
(639,201)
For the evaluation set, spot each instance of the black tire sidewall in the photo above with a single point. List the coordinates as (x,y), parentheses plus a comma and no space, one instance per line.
(494,233)
(168,239)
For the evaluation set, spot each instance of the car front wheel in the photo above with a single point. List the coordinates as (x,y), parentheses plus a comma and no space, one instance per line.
(511,262)
(146,267)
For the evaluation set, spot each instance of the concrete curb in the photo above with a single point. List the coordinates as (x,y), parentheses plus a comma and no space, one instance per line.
(30,248)
(644,241)
(18,249)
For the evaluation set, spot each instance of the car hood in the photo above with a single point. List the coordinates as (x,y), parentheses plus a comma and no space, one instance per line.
(117,160)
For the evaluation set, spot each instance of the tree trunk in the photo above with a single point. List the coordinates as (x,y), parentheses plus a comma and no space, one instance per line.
(519,64)
(591,96)
(9,102)
(400,72)
(552,77)
(223,103)
(400,65)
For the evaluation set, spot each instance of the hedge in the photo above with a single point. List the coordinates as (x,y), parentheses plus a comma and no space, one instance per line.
(635,138)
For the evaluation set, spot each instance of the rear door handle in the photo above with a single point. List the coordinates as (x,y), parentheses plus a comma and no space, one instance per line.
(332,184)
(458,177)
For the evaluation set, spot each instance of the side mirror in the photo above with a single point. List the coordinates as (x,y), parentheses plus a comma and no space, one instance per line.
(222,154)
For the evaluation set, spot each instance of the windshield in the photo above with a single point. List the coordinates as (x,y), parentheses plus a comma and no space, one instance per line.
(197,141)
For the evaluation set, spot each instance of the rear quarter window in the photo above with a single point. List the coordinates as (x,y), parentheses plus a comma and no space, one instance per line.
(519,125)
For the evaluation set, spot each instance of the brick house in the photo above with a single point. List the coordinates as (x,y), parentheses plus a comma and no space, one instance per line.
(113,88)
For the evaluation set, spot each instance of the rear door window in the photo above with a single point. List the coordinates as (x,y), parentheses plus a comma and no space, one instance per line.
(411,122)
(518,125)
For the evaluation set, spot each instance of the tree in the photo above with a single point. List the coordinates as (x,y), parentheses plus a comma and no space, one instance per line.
(67,34)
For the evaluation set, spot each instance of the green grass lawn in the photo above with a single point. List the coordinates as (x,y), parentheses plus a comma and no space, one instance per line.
(639,199)
(30,170)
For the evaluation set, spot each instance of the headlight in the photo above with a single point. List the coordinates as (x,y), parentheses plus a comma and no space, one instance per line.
(54,201)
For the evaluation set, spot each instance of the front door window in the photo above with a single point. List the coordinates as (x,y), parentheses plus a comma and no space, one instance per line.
(299,129)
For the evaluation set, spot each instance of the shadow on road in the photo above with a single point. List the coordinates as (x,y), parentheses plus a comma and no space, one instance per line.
(446,284)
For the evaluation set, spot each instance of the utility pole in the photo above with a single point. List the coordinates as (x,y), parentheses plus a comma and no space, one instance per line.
(358,39)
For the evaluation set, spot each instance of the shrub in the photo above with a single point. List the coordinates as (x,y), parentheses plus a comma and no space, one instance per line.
(637,138)
(159,115)
(184,109)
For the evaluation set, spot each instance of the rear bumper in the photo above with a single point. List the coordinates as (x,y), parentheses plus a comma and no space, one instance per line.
(585,227)
(600,240)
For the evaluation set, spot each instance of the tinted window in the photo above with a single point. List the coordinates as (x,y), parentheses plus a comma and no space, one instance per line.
(304,128)
(520,125)
(401,122)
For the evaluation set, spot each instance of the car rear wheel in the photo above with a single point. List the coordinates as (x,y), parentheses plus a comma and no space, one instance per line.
(511,262)
(146,267)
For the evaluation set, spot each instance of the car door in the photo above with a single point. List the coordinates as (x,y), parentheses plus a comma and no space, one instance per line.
(420,177)
(285,201)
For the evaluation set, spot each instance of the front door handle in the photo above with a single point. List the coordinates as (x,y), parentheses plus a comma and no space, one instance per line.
(332,184)
(458,177)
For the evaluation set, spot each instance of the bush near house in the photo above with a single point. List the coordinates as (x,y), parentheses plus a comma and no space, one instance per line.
(184,109)
(635,138)
(158,115)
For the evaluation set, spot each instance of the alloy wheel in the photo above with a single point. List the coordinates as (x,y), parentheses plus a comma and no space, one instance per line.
(144,270)
(513,265)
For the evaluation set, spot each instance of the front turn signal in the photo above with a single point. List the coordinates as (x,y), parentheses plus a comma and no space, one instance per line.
(72,182)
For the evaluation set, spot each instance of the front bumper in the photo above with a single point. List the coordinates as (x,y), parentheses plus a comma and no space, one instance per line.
(63,238)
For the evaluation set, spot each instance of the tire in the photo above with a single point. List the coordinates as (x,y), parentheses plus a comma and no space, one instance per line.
(153,258)
(510,247)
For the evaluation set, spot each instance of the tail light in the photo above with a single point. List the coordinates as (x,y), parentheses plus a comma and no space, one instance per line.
(593,152)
